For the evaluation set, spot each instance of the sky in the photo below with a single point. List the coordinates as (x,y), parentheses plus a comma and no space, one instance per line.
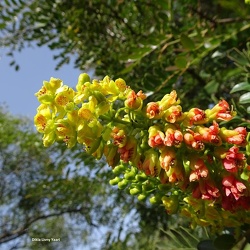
(36,65)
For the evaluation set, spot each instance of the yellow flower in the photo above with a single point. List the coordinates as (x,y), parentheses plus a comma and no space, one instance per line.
(47,93)
(64,96)
(42,118)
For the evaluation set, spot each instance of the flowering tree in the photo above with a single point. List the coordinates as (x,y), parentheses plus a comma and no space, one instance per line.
(190,162)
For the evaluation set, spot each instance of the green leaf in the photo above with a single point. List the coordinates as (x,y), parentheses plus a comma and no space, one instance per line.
(139,53)
(180,62)
(245,98)
(241,86)
(187,42)
(224,242)
(212,87)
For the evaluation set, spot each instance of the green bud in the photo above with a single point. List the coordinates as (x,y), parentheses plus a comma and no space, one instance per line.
(135,191)
(142,197)
(156,199)
(81,80)
(122,184)
(115,181)
(49,139)
(99,96)
(148,187)
(130,175)
(163,187)
(119,169)
(141,177)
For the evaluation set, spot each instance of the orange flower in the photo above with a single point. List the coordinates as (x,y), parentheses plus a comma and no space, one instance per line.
(156,137)
(194,140)
(174,114)
(167,158)
(153,110)
(211,134)
(173,137)
(134,101)
(199,170)
(195,116)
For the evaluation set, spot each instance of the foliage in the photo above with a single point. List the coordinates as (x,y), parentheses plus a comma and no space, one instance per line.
(154,45)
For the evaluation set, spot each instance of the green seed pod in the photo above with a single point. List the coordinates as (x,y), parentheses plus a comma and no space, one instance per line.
(122,184)
(115,181)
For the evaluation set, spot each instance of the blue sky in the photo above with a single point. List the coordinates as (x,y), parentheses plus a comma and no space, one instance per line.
(36,65)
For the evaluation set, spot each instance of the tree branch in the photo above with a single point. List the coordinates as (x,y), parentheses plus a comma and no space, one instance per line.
(8,236)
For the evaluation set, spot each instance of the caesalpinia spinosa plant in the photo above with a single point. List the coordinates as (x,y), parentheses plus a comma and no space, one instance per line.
(184,161)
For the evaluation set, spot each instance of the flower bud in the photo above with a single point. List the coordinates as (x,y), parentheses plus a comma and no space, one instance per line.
(122,184)
(83,78)
(168,100)
(115,181)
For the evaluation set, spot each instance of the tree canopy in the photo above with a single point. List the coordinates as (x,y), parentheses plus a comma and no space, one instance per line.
(156,45)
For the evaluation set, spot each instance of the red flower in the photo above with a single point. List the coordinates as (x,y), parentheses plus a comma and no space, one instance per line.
(128,152)
(233,160)
(233,187)
(206,190)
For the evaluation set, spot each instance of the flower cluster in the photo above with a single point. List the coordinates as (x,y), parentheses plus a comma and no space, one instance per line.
(186,161)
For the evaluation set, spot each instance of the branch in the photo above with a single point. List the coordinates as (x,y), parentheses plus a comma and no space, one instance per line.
(215,22)
(22,230)
(232,20)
